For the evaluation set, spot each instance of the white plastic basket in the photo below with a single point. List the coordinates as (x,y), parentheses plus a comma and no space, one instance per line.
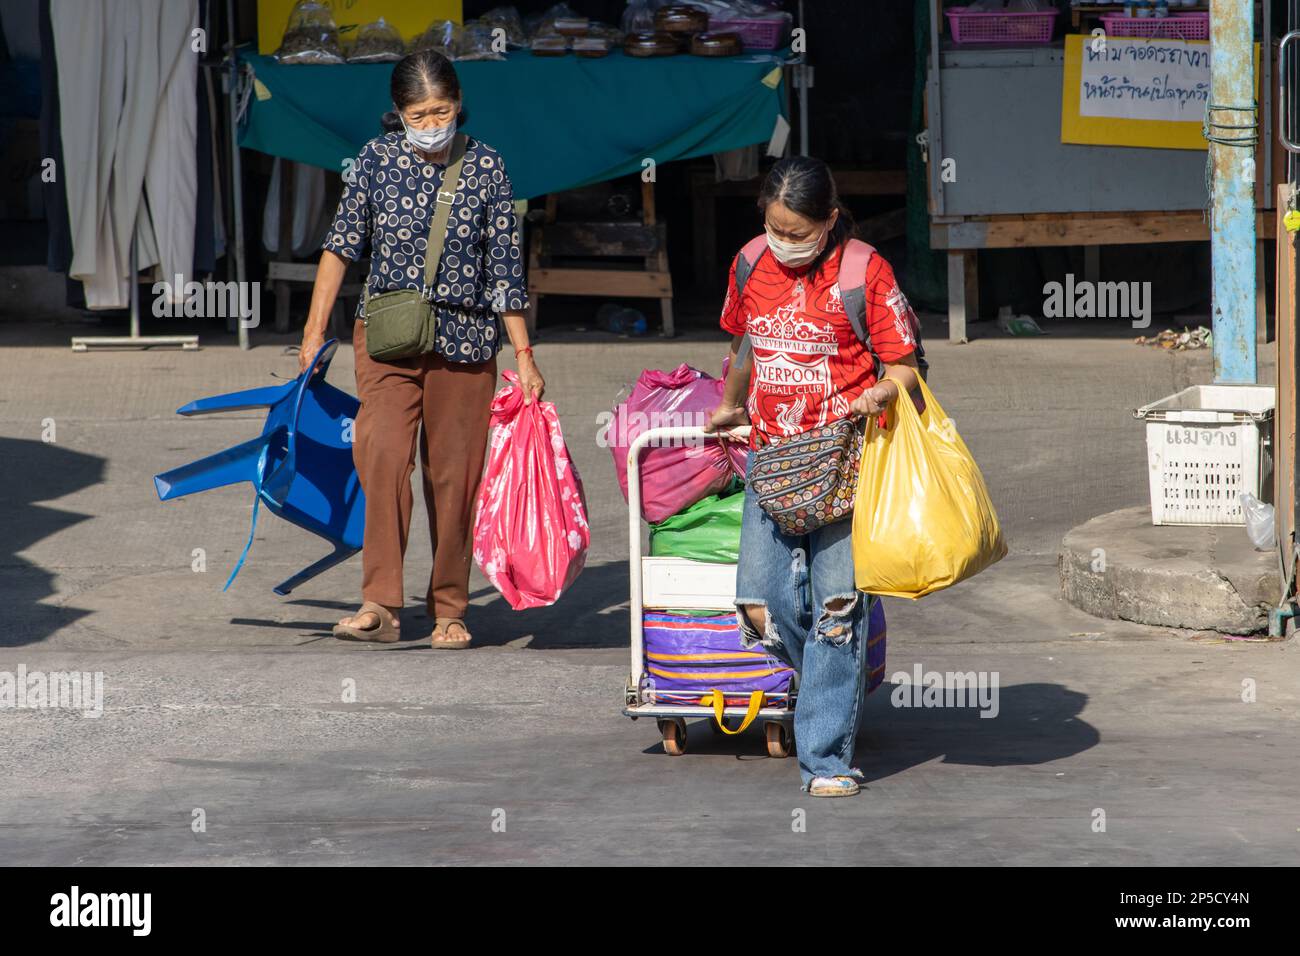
(1205,446)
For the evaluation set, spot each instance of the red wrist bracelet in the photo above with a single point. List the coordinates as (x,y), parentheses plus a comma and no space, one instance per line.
(526,350)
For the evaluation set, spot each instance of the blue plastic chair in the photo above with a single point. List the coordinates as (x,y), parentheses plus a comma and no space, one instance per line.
(301,465)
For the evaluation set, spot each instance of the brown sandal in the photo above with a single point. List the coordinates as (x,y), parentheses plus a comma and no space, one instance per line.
(387,632)
(442,628)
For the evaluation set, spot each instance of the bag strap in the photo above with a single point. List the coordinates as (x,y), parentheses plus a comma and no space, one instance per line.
(853,285)
(747,258)
(854,261)
(719,701)
(853,293)
(446,198)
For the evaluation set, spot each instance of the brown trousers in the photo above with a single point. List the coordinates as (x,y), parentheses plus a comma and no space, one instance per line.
(452,401)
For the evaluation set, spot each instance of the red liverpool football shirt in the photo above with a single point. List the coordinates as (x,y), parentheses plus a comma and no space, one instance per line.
(809,364)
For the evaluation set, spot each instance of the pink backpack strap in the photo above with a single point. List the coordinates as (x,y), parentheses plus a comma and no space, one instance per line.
(750,253)
(746,259)
(853,291)
(853,283)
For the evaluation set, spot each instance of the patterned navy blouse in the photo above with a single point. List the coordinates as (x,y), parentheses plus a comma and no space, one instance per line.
(387,207)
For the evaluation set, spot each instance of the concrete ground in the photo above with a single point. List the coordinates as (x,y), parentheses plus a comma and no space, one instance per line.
(1114,743)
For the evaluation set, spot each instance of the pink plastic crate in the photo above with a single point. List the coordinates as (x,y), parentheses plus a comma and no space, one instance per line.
(984,27)
(756,33)
(1185,26)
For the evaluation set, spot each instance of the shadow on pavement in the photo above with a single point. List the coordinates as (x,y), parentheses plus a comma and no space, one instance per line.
(1035,724)
(32,471)
(591,614)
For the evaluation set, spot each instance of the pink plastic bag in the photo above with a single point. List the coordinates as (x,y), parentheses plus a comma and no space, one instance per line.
(530,526)
(674,475)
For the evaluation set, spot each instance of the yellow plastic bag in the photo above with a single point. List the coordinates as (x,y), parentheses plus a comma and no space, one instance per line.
(922,519)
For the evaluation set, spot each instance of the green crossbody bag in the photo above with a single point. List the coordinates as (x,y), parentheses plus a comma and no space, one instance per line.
(402,323)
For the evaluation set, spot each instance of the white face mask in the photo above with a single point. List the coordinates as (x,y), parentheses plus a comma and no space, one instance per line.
(430,140)
(795,254)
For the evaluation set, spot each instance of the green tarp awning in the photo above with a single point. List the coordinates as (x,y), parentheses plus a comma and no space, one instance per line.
(560,122)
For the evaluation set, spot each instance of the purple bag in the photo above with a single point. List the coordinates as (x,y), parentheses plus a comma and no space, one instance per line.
(875,644)
(689,655)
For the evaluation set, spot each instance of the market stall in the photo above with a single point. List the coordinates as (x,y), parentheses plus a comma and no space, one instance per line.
(559,122)
(1039,136)
(570,109)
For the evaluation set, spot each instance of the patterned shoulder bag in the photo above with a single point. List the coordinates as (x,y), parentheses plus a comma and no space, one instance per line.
(809,480)
(403,323)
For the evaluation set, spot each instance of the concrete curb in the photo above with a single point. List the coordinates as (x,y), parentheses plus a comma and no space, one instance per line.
(1119,566)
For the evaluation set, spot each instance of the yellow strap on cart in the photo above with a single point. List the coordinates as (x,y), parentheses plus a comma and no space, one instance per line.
(719,701)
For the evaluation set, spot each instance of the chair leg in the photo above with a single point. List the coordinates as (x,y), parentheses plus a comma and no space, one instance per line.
(237,463)
(238,401)
(306,574)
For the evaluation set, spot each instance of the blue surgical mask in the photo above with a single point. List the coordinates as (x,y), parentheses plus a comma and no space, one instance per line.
(430,140)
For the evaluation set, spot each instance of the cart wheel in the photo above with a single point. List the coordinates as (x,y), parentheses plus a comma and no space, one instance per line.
(674,732)
(778,739)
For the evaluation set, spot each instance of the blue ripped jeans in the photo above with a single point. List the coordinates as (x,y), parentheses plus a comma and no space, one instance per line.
(795,577)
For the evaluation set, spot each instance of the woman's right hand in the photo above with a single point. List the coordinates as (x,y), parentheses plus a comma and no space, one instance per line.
(311,344)
(727,416)
(324,293)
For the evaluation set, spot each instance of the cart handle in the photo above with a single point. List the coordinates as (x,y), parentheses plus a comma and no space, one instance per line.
(635,610)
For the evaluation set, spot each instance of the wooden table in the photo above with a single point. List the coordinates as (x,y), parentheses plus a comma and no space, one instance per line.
(963,237)
(594,242)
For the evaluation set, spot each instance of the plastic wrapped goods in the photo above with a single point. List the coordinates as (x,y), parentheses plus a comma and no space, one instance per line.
(442,36)
(677,473)
(377,42)
(507,19)
(312,36)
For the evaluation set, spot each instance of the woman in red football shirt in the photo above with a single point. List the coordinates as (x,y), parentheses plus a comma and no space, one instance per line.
(798,365)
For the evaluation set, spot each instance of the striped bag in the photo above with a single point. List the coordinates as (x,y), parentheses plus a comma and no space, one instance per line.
(689,656)
(875,644)
(699,659)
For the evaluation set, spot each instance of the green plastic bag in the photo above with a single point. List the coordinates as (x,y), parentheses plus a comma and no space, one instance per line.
(708,530)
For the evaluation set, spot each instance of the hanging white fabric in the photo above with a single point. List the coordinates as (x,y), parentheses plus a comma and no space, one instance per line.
(128,122)
(308,203)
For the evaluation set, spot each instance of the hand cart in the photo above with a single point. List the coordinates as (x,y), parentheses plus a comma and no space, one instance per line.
(663,583)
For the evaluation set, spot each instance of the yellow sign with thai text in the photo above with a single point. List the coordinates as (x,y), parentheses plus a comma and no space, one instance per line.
(1132,91)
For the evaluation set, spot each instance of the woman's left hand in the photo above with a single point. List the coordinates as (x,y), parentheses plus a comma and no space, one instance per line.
(875,399)
(530,379)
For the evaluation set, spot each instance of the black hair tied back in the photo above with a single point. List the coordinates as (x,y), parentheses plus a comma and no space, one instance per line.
(417,77)
(804,185)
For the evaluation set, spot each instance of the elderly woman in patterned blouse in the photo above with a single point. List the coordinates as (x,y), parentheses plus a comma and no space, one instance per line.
(440,399)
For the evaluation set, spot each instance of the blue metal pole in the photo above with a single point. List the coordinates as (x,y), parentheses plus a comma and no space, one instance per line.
(1231,128)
